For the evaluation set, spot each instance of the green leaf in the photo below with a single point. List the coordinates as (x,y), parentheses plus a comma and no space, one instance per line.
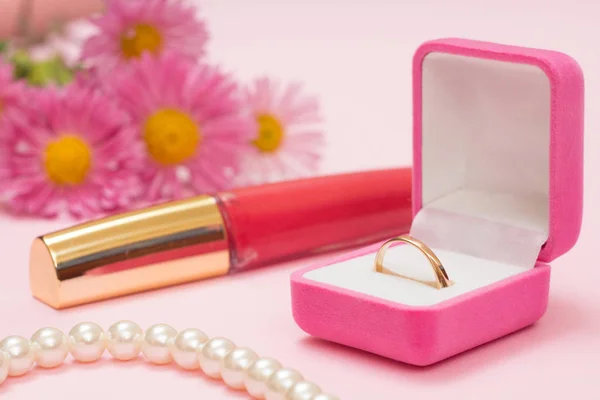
(22,63)
(50,71)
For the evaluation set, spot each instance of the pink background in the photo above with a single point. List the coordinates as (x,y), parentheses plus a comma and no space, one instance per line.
(357,56)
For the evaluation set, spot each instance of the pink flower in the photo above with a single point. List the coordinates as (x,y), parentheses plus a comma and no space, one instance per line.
(288,141)
(65,43)
(130,28)
(188,118)
(12,93)
(71,150)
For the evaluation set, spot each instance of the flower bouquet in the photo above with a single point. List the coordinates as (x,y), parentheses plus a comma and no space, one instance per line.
(125,108)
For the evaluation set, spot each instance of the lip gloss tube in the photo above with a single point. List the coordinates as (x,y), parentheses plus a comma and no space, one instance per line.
(212,235)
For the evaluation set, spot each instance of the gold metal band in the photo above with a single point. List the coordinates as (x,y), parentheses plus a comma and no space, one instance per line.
(441,280)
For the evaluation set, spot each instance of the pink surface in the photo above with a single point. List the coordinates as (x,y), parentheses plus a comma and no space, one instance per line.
(419,335)
(43,12)
(362,69)
(566,130)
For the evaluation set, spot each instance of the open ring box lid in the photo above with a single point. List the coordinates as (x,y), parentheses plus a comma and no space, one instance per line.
(497,194)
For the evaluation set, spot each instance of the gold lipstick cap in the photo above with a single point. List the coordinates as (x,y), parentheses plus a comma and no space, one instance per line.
(159,246)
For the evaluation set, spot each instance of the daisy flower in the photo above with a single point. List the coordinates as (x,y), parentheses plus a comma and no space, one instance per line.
(288,141)
(130,28)
(12,92)
(64,43)
(73,151)
(188,118)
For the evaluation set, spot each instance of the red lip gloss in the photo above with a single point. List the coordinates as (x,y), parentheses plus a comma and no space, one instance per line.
(293,219)
(214,235)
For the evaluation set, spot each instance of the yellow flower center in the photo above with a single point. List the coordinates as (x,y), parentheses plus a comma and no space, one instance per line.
(141,38)
(171,136)
(270,133)
(68,160)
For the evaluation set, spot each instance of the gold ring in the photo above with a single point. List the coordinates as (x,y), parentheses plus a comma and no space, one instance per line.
(441,280)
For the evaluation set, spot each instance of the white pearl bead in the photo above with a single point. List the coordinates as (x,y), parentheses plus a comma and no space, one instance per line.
(184,348)
(51,347)
(156,343)
(4,364)
(303,391)
(212,353)
(324,396)
(280,382)
(125,339)
(22,355)
(258,374)
(87,342)
(235,364)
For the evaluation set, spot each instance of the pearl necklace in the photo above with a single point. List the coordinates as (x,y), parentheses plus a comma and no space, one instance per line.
(239,367)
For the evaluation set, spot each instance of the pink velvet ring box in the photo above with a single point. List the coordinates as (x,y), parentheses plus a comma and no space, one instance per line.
(498,172)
